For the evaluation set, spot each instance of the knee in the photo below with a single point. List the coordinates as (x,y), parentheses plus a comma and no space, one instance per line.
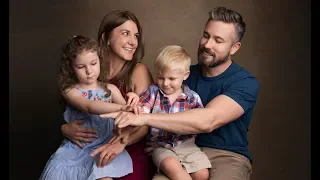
(167,163)
(202,174)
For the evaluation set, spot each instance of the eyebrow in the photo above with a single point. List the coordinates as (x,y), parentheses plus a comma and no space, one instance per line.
(215,36)
(218,37)
(126,30)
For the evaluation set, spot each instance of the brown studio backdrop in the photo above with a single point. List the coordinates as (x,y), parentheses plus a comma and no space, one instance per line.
(276,48)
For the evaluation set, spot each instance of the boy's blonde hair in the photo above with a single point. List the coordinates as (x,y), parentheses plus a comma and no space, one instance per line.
(172,56)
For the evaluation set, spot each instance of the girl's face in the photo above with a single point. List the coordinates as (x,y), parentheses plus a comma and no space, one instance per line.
(86,67)
(123,40)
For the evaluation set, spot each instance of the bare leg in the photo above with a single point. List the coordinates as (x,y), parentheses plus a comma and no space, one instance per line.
(202,174)
(173,169)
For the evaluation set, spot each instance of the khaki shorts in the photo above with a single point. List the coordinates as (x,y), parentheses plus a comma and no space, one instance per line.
(188,154)
(225,165)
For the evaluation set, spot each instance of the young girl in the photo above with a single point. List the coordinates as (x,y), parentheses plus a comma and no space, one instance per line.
(82,74)
(120,37)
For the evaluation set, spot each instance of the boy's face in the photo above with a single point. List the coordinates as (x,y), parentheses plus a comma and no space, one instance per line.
(170,80)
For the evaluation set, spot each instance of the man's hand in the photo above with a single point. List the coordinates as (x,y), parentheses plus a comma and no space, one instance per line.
(124,119)
(77,134)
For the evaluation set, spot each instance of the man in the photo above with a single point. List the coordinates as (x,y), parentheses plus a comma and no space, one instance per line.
(229,94)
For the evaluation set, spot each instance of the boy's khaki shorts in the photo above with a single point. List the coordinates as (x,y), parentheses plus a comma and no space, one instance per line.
(188,154)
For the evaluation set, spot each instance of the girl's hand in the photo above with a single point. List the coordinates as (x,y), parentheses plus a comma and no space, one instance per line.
(133,99)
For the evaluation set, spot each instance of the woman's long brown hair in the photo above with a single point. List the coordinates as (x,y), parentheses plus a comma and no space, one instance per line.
(110,22)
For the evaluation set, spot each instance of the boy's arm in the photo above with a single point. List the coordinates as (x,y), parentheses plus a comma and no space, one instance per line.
(74,98)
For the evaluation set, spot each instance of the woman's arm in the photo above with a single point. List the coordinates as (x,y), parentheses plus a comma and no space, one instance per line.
(142,79)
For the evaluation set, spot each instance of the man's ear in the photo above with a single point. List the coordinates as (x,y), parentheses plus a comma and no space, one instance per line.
(235,47)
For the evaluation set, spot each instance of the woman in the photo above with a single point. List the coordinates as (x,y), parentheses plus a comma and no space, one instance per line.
(120,36)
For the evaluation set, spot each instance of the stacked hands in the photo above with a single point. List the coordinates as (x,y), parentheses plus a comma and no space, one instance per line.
(126,121)
(119,141)
(122,134)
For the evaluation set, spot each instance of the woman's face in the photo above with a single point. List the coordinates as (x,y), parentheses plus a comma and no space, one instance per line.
(123,40)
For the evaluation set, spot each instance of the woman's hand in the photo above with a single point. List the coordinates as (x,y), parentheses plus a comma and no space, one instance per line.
(122,135)
(77,134)
(107,153)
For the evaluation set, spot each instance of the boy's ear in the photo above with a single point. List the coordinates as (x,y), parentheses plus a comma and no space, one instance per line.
(186,75)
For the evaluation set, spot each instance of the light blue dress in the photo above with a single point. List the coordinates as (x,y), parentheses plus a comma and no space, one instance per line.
(70,162)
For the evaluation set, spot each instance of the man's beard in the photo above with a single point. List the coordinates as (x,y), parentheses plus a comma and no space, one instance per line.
(215,61)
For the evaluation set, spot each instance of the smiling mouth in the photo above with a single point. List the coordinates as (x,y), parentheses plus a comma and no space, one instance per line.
(129,49)
(206,53)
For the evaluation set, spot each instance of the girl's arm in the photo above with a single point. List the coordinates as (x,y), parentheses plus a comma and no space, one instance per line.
(116,95)
(74,98)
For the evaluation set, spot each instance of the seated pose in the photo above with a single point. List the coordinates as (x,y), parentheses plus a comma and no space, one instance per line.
(229,93)
(176,155)
(82,74)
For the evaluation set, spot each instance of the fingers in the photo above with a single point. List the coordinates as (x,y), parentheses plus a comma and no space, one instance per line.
(112,139)
(136,110)
(105,162)
(79,122)
(124,123)
(89,131)
(133,99)
(115,139)
(124,140)
(129,101)
(86,140)
(78,143)
(118,118)
(86,136)
(99,150)
(140,109)
(103,157)
(110,115)
(118,131)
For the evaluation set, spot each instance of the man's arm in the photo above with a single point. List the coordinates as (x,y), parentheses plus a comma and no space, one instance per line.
(238,99)
(218,112)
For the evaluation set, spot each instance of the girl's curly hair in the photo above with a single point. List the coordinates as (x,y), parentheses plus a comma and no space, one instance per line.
(70,50)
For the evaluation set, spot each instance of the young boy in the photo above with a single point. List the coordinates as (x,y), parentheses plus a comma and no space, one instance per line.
(176,155)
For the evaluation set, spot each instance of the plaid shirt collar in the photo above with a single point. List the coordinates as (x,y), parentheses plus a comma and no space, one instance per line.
(186,92)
